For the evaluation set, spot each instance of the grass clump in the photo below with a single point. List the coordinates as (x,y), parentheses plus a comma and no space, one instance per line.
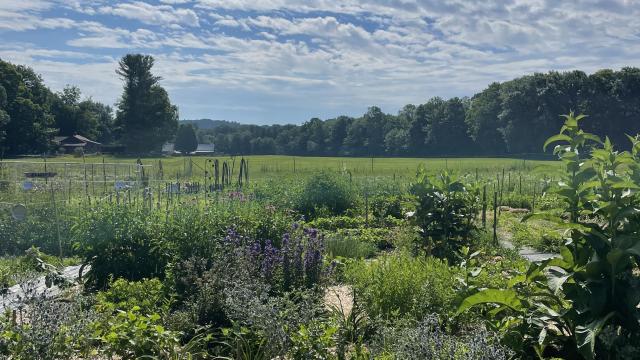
(326,194)
(399,285)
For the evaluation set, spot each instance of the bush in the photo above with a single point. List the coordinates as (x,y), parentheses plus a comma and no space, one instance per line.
(121,242)
(386,206)
(427,340)
(348,247)
(131,334)
(149,295)
(445,213)
(381,238)
(399,285)
(337,222)
(326,193)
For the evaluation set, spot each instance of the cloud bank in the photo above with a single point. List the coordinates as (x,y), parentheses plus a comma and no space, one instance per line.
(268,61)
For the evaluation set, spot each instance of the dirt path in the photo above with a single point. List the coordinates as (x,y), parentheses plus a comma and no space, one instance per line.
(526,252)
(340,297)
(17,295)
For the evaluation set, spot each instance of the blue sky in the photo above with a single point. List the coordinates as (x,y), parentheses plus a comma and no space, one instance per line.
(285,61)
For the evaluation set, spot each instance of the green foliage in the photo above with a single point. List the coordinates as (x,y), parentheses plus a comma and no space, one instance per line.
(337,245)
(593,285)
(399,285)
(445,212)
(149,295)
(326,193)
(120,242)
(540,234)
(335,223)
(313,341)
(132,334)
(386,206)
(145,117)
(186,140)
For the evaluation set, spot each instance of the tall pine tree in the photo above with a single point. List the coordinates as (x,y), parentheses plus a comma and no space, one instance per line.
(145,117)
(186,140)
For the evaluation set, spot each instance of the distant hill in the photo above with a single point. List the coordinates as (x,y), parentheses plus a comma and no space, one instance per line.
(208,124)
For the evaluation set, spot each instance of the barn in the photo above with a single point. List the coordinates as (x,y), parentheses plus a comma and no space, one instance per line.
(69,144)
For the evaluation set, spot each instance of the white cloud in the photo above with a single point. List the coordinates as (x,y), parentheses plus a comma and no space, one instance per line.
(153,14)
(324,54)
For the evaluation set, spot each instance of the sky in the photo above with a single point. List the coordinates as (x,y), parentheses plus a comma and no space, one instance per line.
(286,61)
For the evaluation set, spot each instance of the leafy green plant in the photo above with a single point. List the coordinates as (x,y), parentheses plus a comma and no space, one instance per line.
(445,212)
(130,334)
(348,247)
(384,206)
(149,295)
(120,242)
(570,300)
(328,193)
(400,285)
(313,340)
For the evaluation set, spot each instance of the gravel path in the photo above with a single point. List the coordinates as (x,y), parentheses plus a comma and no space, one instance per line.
(526,252)
(17,294)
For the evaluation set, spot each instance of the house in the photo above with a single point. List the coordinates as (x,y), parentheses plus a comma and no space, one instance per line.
(204,149)
(69,144)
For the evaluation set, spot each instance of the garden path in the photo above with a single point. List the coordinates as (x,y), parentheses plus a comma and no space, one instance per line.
(17,295)
(530,254)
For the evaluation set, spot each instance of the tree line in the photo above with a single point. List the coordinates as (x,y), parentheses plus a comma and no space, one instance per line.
(513,117)
(31,115)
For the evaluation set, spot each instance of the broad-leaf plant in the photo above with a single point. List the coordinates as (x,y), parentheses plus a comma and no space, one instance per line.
(585,303)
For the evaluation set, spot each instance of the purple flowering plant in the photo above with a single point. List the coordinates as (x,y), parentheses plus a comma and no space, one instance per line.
(296,263)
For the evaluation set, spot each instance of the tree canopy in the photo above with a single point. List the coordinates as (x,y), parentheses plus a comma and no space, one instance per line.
(186,140)
(508,118)
(145,118)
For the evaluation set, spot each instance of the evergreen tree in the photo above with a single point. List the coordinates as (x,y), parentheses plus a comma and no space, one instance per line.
(186,139)
(145,117)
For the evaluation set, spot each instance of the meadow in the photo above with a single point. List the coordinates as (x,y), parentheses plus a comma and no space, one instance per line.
(325,258)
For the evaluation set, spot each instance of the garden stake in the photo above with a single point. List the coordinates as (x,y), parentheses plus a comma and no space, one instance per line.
(495,217)
(484,206)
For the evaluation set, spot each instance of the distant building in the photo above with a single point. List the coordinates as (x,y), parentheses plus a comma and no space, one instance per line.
(168,148)
(69,144)
(203,149)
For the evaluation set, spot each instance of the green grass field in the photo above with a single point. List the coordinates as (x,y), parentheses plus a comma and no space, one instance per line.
(271,166)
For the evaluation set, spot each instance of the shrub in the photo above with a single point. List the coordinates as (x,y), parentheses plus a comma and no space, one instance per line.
(399,285)
(445,213)
(121,242)
(348,247)
(326,193)
(335,223)
(386,206)
(427,340)
(131,334)
(561,306)
(149,295)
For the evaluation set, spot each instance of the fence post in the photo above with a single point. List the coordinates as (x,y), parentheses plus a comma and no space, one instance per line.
(495,217)
(484,206)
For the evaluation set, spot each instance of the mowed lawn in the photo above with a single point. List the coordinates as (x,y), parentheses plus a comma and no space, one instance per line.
(273,166)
